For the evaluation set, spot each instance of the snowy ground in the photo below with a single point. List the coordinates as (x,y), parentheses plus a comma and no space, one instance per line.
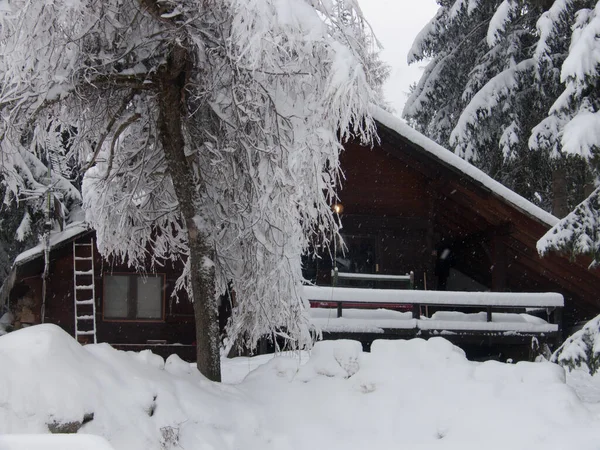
(587,388)
(404,394)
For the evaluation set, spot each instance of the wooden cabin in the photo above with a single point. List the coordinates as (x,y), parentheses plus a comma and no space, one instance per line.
(100,300)
(406,204)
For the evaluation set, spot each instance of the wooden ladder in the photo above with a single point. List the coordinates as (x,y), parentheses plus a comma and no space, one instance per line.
(84,291)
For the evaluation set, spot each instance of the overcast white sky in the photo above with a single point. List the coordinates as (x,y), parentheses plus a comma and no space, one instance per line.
(396,23)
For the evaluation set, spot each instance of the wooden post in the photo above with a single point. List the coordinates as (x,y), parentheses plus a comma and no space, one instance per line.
(334,282)
(489,313)
(416,311)
(430,235)
(499,264)
(558,317)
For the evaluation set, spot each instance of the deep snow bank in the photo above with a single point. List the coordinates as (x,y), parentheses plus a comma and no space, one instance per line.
(138,400)
(421,395)
(410,394)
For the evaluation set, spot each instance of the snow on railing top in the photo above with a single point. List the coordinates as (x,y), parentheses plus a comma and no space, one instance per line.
(400,296)
(449,158)
(373,276)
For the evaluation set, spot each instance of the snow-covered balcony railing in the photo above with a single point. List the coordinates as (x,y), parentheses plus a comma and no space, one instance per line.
(497,310)
(408,279)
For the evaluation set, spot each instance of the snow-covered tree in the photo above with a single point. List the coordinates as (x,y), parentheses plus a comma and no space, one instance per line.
(572,122)
(491,88)
(582,350)
(209,129)
(37,187)
(572,127)
(578,233)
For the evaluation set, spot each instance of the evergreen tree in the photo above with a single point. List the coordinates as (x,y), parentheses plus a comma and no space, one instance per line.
(490,89)
(573,126)
(582,350)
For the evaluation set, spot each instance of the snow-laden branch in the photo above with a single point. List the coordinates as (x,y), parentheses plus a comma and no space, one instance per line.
(489,97)
(578,233)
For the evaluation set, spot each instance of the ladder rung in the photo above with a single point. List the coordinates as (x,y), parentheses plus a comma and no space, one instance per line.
(84,245)
(85,333)
(88,287)
(84,302)
(90,317)
(84,258)
(84,272)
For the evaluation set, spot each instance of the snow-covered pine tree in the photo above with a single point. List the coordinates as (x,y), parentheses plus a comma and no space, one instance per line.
(210,131)
(493,77)
(582,350)
(572,127)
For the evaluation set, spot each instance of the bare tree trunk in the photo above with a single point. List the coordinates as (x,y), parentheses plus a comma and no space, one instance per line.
(171,100)
(560,207)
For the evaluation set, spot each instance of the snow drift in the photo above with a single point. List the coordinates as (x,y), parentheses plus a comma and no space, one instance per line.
(416,394)
(138,400)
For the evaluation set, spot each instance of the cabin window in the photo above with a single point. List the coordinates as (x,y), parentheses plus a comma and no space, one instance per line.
(133,297)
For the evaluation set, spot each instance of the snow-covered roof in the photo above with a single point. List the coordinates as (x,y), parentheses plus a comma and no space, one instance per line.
(70,232)
(455,162)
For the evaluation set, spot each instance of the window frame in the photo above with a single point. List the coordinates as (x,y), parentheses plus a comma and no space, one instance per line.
(163,277)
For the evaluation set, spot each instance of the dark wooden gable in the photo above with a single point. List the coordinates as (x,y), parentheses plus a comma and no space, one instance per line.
(413,204)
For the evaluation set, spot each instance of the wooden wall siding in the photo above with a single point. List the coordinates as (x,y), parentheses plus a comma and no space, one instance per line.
(61,309)
(376,184)
(173,332)
(385,198)
(401,244)
(177,327)
(34,292)
(403,250)
(557,271)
